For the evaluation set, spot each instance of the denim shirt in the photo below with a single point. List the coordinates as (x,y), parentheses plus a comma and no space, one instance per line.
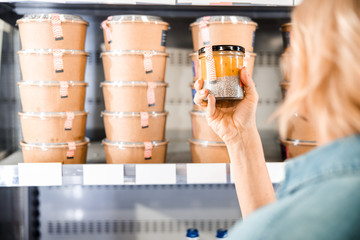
(319,198)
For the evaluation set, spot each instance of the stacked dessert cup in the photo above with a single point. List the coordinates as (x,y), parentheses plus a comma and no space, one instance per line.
(300,137)
(52,92)
(231,32)
(134,89)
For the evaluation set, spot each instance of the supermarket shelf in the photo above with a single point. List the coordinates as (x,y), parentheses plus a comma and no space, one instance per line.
(13,172)
(55,174)
(181,9)
(177,170)
(169,2)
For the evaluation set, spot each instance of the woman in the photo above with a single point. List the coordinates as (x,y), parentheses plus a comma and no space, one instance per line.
(320,196)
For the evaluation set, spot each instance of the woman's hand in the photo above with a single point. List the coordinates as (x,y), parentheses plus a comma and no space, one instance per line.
(230,122)
(236,125)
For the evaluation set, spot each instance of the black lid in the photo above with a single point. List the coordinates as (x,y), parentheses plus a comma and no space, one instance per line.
(224,48)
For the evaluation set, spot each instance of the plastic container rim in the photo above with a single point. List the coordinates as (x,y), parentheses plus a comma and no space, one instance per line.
(50,114)
(131,84)
(107,142)
(51,83)
(50,51)
(47,18)
(45,146)
(133,52)
(235,20)
(297,142)
(206,143)
(135,18)
(133,114)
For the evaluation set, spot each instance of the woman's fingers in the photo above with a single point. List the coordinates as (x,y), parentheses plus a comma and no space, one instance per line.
(198,84)
(200,96)
(249,85)
(211,107)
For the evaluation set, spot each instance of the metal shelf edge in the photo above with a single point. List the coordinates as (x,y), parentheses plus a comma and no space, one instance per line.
(74,174)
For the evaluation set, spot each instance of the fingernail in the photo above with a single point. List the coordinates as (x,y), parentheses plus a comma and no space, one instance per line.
(197,84)
(202,91)
(244,71)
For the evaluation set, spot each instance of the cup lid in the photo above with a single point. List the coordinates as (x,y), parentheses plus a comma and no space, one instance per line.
(233,19)
(136,18)
(63,17)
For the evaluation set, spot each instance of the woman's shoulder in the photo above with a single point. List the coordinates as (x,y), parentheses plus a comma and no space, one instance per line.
(328,209)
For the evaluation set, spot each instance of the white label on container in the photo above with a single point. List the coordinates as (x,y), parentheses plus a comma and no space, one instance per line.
(155,173)
(103,174)
(206,173)
(40,174)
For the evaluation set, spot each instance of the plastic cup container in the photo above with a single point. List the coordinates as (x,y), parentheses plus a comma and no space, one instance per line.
(208,152)
(52,31)
(286,34)
(46,96)
(53,127)
(195,62)
(201,130)
(130,65)
(224,30)
(133,96)
(38,65)
(291,148)
(55,152)
(133,127)
(134,152)
(193,92)
(141,32)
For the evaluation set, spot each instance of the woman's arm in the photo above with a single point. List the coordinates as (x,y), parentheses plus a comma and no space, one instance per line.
(252,181)
(236,126)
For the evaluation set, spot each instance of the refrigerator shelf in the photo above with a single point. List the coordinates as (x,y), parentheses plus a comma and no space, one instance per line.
(56,174)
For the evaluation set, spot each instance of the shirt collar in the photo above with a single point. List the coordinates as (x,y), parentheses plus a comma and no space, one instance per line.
(338,157)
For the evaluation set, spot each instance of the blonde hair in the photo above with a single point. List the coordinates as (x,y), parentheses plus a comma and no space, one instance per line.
(325,68)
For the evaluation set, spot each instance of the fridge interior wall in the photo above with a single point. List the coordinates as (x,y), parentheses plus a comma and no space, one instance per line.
(141,212)
(9,94)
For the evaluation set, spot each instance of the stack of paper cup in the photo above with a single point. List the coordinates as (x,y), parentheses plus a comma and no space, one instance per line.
(300,137)
(206,146)
(134,89)
(52,92)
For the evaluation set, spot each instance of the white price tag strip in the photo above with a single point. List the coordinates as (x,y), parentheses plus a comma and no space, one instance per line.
(276,171)
(40,174)
(155,173)
(231,174)
(167,2)
(103,174)
(206,173)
